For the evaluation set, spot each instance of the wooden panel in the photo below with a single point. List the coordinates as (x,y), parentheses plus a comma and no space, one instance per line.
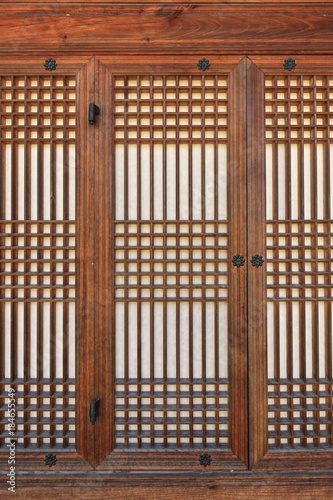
(237,318)
(171,282)
(270,64)
(94,361)
(168,2)
(256,222)
(299,252)
(176,28)
(166,492)
(179,485)
(171,300)
(37,258)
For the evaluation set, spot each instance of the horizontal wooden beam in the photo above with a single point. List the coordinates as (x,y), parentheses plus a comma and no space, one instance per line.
(173,28)
(167,493)
(119,64)
(166,2)
(208,482)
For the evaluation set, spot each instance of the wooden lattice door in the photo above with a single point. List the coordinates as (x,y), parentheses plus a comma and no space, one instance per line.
(294,175)
(169,295)
(199,262)
(37,291)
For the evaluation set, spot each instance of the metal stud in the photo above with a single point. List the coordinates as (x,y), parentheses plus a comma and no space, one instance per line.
(257,260)
(203,64)
(50,459)
(238,260)
(289,64)
(205,459)
(50,64)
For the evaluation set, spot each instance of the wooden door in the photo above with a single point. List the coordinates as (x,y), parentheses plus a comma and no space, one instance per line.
(37,282)
(201,279)
(293,234)
(164,221)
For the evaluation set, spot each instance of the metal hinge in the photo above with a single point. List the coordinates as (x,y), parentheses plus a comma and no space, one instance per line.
(93,411)
(93,111)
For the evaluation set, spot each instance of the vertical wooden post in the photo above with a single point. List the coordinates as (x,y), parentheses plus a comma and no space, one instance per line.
(237,314)
(93,309)
(257,288)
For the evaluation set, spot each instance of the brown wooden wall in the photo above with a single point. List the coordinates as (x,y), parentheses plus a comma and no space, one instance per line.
(169,27)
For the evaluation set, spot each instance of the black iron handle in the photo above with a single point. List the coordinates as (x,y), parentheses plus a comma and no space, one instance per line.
(93,410)
(93,111)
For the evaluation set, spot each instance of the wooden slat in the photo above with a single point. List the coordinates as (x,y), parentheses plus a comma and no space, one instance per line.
(237,313)
(104,342)
(93,320)
(223,28)
(85,272)
(167,492)
(256,287)
(167,7)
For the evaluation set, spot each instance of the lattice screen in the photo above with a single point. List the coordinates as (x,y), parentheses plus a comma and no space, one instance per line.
(170,262)
(37,258)
(299,253)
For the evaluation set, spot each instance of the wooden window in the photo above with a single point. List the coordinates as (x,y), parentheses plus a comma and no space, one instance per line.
(37,283)
(298,261)
(166,294)
(188,352)
(296,293)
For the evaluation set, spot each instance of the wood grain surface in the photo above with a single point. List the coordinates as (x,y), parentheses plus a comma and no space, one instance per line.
(256,292)
(237,314)
(94,360)
(128,35)
(237,486)
(108,28)
(172,493)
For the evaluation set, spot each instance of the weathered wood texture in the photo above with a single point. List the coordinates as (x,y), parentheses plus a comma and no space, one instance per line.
(168,461)
(173,493)
(290,363)
(237,316)
(119,64)
(93,320)
(305,65)
(99,29)
(204,485)
(256,291)
(167,2)
(34,461)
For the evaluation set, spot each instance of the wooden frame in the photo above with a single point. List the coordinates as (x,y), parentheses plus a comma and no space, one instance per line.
(238,393)
(244,28)
(301,29)
(94,366)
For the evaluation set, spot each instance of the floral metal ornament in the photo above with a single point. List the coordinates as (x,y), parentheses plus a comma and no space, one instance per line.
(205,459)
(257,260)
(203,64)
(50,460)
(238,260)
(50,64)
(289,64)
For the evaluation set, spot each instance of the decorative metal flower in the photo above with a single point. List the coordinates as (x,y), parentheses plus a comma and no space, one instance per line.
(205,459)
(203,64)
(50,460)
(50,64)
(238,260)
(257,260)
(289,64)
